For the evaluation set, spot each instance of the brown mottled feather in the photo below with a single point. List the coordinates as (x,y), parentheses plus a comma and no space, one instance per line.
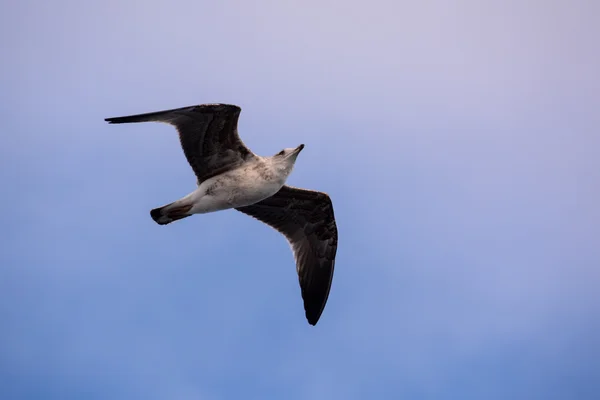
(306,219)
(208,135)
(210,142)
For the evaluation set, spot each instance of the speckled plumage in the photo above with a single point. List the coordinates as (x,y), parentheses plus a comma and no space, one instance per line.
(229,175)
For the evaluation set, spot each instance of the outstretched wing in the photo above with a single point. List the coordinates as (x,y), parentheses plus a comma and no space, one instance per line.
(306,219)
(208,135)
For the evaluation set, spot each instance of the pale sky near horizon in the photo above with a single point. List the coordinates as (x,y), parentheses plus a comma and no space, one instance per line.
(458,140)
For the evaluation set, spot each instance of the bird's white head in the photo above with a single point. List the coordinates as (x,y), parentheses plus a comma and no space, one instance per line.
(284,160)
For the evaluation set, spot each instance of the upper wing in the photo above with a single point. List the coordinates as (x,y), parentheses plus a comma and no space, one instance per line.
(306,219)
(208,135)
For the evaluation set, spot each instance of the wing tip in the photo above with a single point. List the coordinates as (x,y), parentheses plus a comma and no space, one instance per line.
(313,312)
(314,306)
(312,320)
(119,120)
(147,117)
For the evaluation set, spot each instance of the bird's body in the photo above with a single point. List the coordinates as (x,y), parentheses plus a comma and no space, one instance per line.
(255,180)
(231,176)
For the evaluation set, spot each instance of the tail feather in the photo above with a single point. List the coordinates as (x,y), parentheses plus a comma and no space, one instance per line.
(171,212)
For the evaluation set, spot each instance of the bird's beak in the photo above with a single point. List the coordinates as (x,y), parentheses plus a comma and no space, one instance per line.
(294,153)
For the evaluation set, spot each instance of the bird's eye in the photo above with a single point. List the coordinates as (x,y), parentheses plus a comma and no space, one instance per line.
(281,153)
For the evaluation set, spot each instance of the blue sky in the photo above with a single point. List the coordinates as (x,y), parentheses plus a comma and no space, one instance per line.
(459,142)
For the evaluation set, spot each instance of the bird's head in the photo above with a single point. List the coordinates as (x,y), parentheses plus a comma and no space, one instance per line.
(285,159)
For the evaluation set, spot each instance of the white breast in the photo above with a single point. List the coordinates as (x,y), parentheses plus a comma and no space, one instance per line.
(240,187)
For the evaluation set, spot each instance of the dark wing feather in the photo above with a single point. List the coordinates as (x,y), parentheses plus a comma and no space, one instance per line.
(208,135)
(306,219)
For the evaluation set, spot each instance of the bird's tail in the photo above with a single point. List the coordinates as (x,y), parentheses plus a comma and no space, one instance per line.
(171,212)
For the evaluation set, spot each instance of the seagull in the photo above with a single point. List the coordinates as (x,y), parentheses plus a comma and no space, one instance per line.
(229,175)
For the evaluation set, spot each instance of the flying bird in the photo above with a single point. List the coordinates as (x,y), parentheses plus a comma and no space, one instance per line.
(229,175)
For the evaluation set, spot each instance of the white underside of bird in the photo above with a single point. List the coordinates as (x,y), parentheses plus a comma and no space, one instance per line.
(230,176)
(255,180)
